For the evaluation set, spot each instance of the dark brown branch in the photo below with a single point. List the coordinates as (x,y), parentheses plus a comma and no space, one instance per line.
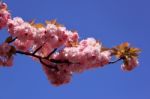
(115,61)
(38,48)
(14,39)
(51,53)
(60,61)
(11,39)
(49,66)
(29,54)
(40,59)
(50,60)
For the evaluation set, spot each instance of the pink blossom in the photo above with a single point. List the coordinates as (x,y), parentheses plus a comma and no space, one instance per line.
(56,36)
(132,63)
(23,45)
(45,50)
(72,37)
(3,5)
(4,49)
(86,55)
(40,34)
(105,57)
(5,60)
(12,23)
(20,29)
(24,31)
(57,77)
(72,55)
(4,15)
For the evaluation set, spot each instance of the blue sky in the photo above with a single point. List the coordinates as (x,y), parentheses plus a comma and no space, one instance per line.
(110,21)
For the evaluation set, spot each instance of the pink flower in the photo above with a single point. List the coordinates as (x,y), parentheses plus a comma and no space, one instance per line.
(23,45)
(72,37)
(20,29)
(4,49)
(4,15)
(86,55)
(6,62)
(56,36)
(130,65)
(105,57)
(45,50)
(12,23)
(5,59)
(24,31)
(57,77)
(72,55)
(3,5)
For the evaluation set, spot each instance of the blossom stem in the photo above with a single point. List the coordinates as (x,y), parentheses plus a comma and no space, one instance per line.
(51,53)
(50,60)
(40,58)
(28,53)
(38,48)
(112,62)
(49,66)
(12,40)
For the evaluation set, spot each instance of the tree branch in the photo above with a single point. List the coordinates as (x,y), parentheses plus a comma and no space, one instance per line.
(112,62)
(38,48)
(11,39)
(40,59)
(50,60)
(49,66)
(51,53)
(28,53)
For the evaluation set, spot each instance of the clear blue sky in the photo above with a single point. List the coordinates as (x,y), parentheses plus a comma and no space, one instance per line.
(112,22)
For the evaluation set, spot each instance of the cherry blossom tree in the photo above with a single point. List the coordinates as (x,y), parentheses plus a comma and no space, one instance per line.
(57,49)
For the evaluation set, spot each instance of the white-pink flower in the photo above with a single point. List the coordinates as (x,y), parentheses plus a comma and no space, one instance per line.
(5,59)
(56,36)
(20,29)
(86,55)
(59,77)
(23,45)
(4,15)
(130,65)
(4,49)
(12,23)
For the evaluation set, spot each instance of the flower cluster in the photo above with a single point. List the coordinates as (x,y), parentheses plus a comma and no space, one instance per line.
(128,54)
(4,15)
(31,36)
(59,77)
(130,64)
(82,55)
(6,58)
(41,42)
(86,55)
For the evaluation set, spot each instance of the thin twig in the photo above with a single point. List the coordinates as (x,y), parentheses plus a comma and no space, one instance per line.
(49,66)
(27,53)
(115,61)
(39,57)
(12,40)
(60,61)
(38,48)
(51,53)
